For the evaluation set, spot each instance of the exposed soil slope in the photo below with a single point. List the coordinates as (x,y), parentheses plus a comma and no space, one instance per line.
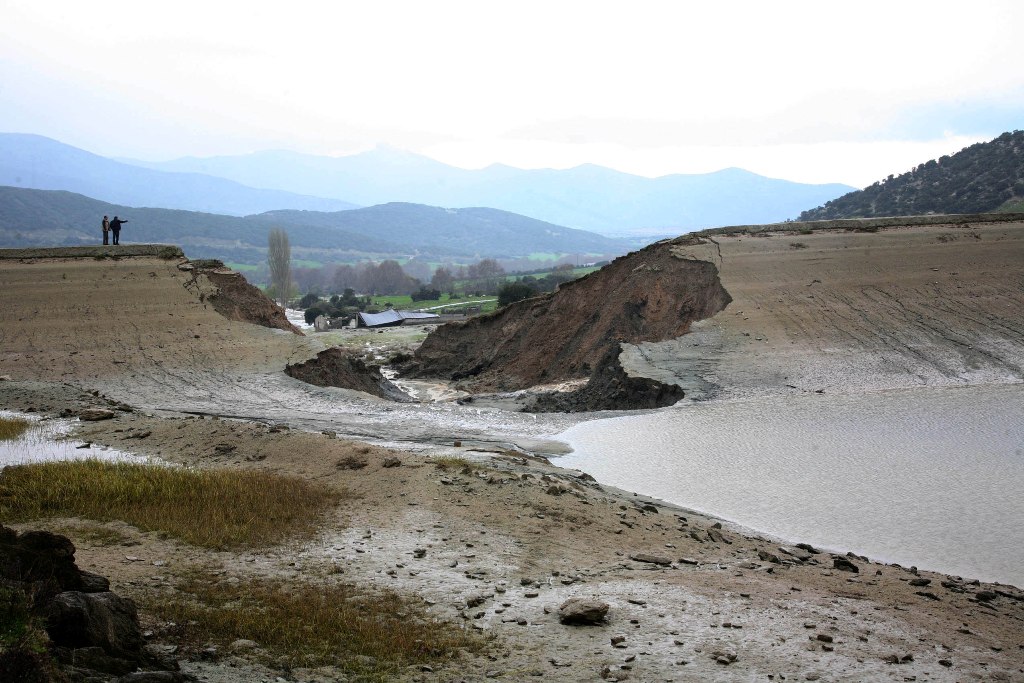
(236,299)
(649,295)
(834,310)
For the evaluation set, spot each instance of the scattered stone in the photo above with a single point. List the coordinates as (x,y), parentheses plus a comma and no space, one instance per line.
(823,638)
(920,582)
(724,657)
(224,448)
(946,663)
(95,414)
(391,461)
(928,594)
(766,556)
(651,559)
(687,560)
(809,548)
(243,644)
(419,553)
(843,564)
(716,536)
(985,596)
(618,639)
(582,611)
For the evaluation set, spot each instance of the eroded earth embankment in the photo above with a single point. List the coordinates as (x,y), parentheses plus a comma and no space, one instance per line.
(574,333)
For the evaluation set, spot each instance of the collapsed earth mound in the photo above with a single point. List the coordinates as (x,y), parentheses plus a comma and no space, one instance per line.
(652,294)
(338,368)
(236,299)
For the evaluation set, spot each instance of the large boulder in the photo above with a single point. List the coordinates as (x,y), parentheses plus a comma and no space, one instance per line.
(582,611)
(106,620)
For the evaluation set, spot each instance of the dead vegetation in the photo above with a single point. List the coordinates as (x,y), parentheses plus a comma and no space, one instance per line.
(369,635)
(207,508)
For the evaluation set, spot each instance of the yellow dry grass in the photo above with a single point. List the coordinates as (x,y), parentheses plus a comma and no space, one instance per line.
(208,508)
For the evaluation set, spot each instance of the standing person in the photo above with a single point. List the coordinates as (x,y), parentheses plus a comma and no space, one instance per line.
(106,229)
(115,226)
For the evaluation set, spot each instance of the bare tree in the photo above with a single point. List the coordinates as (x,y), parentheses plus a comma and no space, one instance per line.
(279,258)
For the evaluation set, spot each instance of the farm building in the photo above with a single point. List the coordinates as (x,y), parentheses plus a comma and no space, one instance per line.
(393,318)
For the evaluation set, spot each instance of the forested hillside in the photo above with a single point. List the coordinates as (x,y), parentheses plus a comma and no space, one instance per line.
(981,178)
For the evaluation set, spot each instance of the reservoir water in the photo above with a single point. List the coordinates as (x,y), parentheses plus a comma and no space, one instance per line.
(44,440)
(925,477)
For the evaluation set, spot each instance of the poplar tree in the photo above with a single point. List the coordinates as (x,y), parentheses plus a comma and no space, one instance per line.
(279,258)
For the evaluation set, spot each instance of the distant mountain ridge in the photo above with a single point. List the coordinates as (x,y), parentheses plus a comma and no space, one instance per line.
(37,162)
(977,179)
(58,218)
(587,197)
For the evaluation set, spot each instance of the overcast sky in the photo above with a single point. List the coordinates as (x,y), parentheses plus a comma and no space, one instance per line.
(819,91)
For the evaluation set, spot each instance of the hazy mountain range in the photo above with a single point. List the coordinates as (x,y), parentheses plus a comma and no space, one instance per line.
(36,162)
(396,230)
(586,197)
(986,176)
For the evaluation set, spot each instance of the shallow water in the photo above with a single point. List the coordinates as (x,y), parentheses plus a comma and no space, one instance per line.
(925,477)
(44,441)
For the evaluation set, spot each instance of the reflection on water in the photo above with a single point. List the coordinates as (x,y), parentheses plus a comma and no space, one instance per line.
(926,477)
(44,440)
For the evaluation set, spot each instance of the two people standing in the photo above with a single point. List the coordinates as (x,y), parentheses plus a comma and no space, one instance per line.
(113,226)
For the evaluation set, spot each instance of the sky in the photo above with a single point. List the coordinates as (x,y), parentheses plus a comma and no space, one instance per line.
(823,91)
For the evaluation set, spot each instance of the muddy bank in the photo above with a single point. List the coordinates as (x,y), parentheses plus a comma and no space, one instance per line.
(575,332)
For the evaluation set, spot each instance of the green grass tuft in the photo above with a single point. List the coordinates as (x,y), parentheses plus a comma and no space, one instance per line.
(208,508)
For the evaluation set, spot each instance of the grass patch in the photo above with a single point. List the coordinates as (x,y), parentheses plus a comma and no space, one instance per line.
(454,462)
(208,508)
(371,636)
(13,427)
(797,245)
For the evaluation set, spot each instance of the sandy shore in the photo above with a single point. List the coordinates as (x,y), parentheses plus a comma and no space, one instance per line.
(507,541)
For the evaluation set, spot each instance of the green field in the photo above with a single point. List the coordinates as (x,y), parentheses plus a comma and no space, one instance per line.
(404,302)
(241,267)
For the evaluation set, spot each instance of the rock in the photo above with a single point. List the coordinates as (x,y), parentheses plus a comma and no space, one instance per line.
(39,557)
(618,639)
(94,583)
(477,600)
(651,559)
(95,414)
(156,677)
(766,556)
(798,553)
(843,564)
(716,536)
(985,596)
(224,448)
(419,552)
(809,548)
(391,461)
(920,582)
(582,611)
(687,560)
(243,644)
(648,507)
(105,620)
(823,638)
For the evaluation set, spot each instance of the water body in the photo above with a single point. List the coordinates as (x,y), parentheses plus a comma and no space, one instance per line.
(44,440)
(925,477)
